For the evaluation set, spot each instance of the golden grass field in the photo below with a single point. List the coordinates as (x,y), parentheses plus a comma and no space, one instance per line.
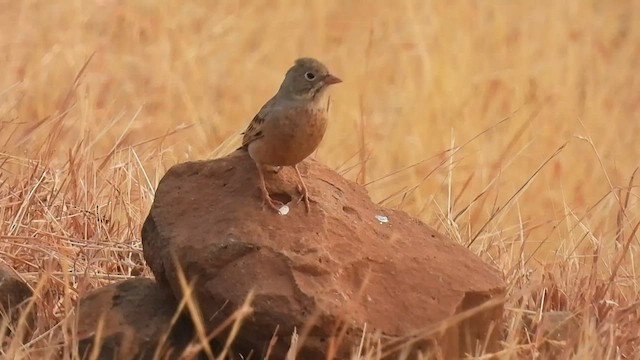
(511,126)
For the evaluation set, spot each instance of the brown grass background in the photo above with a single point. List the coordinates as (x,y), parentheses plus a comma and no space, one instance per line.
(511,126)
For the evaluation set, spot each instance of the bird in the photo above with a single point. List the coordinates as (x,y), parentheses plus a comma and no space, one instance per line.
(291,125)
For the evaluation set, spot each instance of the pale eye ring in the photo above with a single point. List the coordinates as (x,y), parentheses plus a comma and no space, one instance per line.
(309,76)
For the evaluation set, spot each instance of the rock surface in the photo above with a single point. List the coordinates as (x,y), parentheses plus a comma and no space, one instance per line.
(14,293)
(337,265)
(131,318)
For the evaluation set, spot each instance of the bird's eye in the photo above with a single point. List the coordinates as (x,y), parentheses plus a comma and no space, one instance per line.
(309,76)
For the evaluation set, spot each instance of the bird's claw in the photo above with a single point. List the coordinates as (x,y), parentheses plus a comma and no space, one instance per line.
(304,197)
(273,204)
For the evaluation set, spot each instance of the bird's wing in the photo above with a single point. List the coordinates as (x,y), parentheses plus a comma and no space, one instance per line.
(254,130)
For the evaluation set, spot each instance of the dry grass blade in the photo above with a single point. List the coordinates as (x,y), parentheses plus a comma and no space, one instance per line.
(240,314)
(194,310)
(66,102)
(450,151)
(623,209)
(516,193)
(272,343)
(440,327)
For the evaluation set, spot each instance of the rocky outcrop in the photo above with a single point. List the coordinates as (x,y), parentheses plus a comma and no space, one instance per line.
(14,294)
(130,320)
(346,267)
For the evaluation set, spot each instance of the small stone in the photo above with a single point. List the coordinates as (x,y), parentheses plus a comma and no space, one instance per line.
(284,210)
(382,219)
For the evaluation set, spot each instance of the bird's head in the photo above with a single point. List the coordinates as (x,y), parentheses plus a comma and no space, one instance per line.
(307,79)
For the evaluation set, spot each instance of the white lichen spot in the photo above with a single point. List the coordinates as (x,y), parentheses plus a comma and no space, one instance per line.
(382,219)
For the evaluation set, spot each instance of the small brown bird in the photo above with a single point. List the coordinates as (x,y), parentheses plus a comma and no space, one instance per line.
(290,126)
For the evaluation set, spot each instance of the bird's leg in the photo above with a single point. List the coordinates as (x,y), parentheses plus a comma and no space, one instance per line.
(276,169)
(265,194)
(303,189)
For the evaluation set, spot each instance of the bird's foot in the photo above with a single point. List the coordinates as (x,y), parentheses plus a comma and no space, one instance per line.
(304,197)
(273,204)
(302,189)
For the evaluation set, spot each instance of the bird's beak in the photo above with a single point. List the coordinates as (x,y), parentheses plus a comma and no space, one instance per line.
(330,79)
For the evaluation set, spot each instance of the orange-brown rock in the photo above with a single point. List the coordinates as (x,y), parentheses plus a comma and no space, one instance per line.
(14,293)
(339,264)
(132,319)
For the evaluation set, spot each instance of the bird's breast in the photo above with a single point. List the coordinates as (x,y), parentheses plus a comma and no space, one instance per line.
(292,136)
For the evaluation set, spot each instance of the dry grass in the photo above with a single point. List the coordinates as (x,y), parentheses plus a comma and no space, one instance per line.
(511,126)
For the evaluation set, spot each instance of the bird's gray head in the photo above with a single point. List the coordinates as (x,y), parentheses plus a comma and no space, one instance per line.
(307,79)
